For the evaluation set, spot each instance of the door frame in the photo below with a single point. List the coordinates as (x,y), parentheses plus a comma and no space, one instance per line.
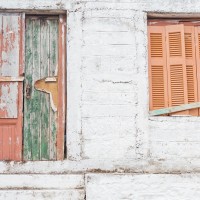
(61,109)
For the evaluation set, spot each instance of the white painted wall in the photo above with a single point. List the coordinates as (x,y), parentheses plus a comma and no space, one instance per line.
(143,187)
(109,129)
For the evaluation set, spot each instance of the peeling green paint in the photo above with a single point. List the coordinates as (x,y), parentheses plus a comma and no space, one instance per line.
(40,122)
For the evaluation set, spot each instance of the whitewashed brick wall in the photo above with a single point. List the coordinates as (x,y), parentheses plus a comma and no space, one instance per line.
(109,129)
(143,187)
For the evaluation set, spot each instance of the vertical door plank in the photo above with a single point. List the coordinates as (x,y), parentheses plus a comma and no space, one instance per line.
(28,82)
(6,142)
(35,95)
(32,108)
(45,98)
(61,87)
(4,156)
(53,70)
(13,139)
(19,128)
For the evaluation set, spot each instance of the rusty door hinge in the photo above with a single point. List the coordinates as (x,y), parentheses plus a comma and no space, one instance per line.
(28,91)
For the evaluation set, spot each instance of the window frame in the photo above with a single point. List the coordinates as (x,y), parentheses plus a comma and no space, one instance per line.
(164,22)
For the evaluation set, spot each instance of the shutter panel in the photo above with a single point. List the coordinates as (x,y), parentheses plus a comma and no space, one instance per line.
(157,67)
(191,67)
(197,41)
(11,100)
(176,67)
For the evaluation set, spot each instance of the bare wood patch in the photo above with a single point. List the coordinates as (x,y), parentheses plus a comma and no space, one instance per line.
(50,86)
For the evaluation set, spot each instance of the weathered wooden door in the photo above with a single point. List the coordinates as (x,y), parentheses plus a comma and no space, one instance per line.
(44,100)
(11,85)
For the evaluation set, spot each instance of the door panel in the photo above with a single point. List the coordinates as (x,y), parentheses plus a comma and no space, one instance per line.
(11,85)
(41,75)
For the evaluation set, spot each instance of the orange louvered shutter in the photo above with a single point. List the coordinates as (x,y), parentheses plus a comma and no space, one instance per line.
(176,67)
(157,67)
(197,41)
(191,67)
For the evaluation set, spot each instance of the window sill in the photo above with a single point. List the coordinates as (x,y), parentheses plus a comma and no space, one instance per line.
(177,118)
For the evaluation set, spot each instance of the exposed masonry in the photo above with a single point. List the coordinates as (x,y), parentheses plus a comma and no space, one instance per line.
(114,149)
